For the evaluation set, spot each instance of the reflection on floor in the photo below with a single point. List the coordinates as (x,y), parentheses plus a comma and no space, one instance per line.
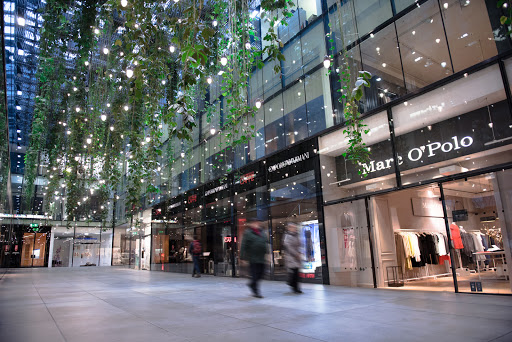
(490,284)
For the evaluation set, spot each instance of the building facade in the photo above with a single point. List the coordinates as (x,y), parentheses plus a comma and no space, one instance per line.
(431,210)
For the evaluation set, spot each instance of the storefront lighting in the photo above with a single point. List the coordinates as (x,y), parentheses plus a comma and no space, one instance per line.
(327,62)
(223,61)
(129,73)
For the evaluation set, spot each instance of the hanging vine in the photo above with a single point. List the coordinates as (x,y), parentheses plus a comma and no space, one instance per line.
(120,79)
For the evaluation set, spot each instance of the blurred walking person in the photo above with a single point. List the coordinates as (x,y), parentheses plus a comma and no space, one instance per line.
(196,249)
(293,256)
(254,248)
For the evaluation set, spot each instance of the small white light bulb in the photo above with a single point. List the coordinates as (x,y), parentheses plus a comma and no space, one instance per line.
(124,3)
(103,117)
(258,104)
(129,73)
(209,80)
(223,61)
(172,48)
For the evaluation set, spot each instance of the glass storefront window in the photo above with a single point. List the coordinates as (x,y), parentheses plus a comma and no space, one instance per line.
(61,251)
(348,244)
(480,231)
(382,59)
(86,247)
(423,47)
(400,5)
(469,27)
(292,65)
(341,178)
(370,14)
(459,127)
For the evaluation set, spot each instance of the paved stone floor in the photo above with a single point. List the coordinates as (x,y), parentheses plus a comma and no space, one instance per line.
(115,304)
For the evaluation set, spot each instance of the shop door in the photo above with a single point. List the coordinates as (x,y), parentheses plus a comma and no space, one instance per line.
(348,244)
(33,253)
(224,242)
(478,216)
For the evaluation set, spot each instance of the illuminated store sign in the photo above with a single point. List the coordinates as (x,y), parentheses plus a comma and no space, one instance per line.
(174,205)
(288,162)
(248,177)
(192,199)
(455,137)
(216,189)
(417,153)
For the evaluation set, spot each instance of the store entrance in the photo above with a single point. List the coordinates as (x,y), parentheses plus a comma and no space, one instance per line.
(411,249)
(478,225)
(34,250)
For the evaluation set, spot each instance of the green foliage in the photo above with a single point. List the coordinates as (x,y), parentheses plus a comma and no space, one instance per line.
(118,83)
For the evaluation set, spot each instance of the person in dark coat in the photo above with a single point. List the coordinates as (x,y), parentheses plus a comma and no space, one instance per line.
(254,248)
(195,249)
(293,256)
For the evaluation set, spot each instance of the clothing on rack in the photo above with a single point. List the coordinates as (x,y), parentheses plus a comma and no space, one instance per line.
(414,249)
(456,238)
(472,244)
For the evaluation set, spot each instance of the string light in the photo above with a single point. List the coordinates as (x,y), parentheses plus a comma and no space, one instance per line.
(112,128)
(126,108)
(124,3)
(105,51)
(103,117)
(258,104)
(223,61)
(172,48)
(327,62)
(129,73)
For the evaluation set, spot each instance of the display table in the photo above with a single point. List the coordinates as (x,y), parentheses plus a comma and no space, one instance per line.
(494,256)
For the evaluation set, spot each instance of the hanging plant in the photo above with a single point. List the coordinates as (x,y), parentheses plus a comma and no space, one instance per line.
(352,92)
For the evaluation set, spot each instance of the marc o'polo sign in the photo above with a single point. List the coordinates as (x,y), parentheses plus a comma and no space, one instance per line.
(419,154)
(455,137)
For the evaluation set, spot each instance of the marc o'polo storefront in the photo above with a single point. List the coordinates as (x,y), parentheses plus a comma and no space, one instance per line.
(284,187)
(431,210)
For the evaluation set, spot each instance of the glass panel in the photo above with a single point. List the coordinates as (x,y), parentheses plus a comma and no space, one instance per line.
(121,249)
(460,127)
(381,58)
(294,199)
(480,231)
(469,27)
(341,178)
(318,101)
(313,46)
(86,247)
(27,249)
(274,125)
(295,114)
(309,11)
(354,62)
(400,5)
(346,16)
(223,250)
(371,13)
(348,244)
(62,251)
(423,47)
(292,65)
(271,81)
(411,244)
(106,247)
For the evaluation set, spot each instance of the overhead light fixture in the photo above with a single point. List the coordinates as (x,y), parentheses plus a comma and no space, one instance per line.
(327,62)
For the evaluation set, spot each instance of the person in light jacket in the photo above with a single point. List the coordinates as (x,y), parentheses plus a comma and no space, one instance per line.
(293,256)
